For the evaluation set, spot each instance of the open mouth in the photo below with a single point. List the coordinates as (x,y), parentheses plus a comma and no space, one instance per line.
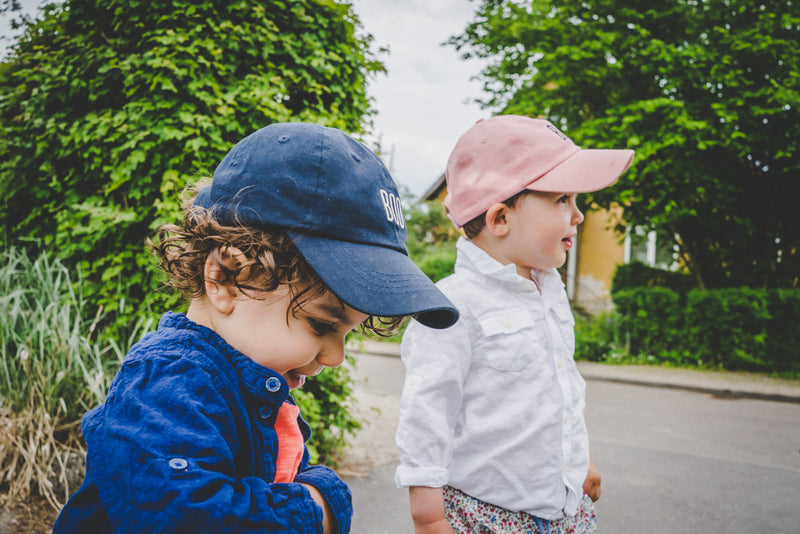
(295,379)
(567,242)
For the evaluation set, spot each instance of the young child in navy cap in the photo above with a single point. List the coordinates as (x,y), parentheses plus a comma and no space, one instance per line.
(299,239)
(492,436)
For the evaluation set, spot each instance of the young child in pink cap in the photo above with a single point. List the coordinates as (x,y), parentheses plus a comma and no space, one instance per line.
(492,435)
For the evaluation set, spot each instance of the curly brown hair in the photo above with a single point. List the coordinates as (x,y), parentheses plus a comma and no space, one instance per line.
(271,260)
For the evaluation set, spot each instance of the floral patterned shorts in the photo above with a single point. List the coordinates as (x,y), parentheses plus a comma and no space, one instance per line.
(469,515)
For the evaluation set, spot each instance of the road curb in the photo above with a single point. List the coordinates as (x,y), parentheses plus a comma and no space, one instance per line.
(717,392)
(722,384)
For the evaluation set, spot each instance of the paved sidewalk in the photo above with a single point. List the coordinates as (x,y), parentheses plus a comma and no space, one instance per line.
(722,383)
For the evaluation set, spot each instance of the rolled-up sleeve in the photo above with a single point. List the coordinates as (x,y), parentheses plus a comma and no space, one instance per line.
(436,362)
(335,492)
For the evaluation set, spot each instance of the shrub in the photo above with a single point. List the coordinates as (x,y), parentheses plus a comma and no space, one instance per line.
(727,327)
(437,263)
(637,274)
(649,319)
(783,335)
(737,329)
(323,402)
(596,336)
(54,365)
(108,109)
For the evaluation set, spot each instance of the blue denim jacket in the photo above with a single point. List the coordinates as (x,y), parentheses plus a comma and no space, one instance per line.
(185,443)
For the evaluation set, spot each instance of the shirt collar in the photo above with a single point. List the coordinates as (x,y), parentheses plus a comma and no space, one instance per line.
(473,258)
(258,382)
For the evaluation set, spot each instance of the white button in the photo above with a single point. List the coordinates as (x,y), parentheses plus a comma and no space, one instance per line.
(273,384)
(560,362)
(507,322)
(178,464)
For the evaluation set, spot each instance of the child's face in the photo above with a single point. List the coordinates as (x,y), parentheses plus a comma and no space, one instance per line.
(542,229)
(294,345)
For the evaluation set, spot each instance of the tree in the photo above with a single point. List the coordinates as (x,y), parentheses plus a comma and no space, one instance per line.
(431,236)
(109,109)
(706,91)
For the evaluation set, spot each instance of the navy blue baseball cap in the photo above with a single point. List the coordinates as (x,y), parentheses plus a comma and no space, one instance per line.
(340,206)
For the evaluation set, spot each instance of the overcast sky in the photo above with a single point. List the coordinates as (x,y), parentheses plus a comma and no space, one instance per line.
(426,99)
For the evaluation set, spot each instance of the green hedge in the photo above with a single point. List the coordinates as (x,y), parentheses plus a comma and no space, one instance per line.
(649,318)
(637,274)
(783,335)
(438,263)
(737,329)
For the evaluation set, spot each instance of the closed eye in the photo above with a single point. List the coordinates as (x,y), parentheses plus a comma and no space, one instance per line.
(321,327)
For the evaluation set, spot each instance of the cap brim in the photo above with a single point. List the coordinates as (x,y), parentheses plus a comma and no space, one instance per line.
(585,171)
(376,280)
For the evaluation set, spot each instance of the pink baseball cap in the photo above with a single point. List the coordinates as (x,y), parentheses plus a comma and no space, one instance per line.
(499,157)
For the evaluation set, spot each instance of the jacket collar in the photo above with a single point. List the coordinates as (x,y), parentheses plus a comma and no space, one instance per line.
(257,381)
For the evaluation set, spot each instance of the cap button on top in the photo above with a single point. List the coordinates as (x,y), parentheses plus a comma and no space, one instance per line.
(273,384)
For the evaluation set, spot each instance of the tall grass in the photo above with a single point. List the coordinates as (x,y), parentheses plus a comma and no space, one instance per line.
(54,365)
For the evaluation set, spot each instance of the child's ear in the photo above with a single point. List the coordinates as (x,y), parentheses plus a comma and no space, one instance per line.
(497,219)
(221,291)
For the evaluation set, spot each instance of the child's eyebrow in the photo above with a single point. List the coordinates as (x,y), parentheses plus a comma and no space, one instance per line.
(336,312)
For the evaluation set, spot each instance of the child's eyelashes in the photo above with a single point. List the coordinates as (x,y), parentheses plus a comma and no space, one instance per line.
(321,327)
(563,198)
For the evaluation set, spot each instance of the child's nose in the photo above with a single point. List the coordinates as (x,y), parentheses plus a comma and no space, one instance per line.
(577,217)
(332,354)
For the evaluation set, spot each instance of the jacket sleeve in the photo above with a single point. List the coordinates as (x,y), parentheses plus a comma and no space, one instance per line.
(334,490)
(437,361)
(164,459)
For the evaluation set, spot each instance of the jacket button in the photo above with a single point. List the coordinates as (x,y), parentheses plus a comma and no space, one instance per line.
(178,464)
(264,413)
(273,384)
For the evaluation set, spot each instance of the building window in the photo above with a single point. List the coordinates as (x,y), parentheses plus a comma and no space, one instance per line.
(647,248)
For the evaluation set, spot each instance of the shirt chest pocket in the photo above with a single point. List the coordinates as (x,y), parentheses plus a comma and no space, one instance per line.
(511,340)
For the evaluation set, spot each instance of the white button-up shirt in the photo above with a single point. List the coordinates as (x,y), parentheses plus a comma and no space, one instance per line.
(494,404)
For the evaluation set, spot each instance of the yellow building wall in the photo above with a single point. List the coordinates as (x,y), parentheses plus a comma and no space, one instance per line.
(600,250)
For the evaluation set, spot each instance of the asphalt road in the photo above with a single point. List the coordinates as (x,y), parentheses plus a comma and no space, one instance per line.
(672,461)
(680,462)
